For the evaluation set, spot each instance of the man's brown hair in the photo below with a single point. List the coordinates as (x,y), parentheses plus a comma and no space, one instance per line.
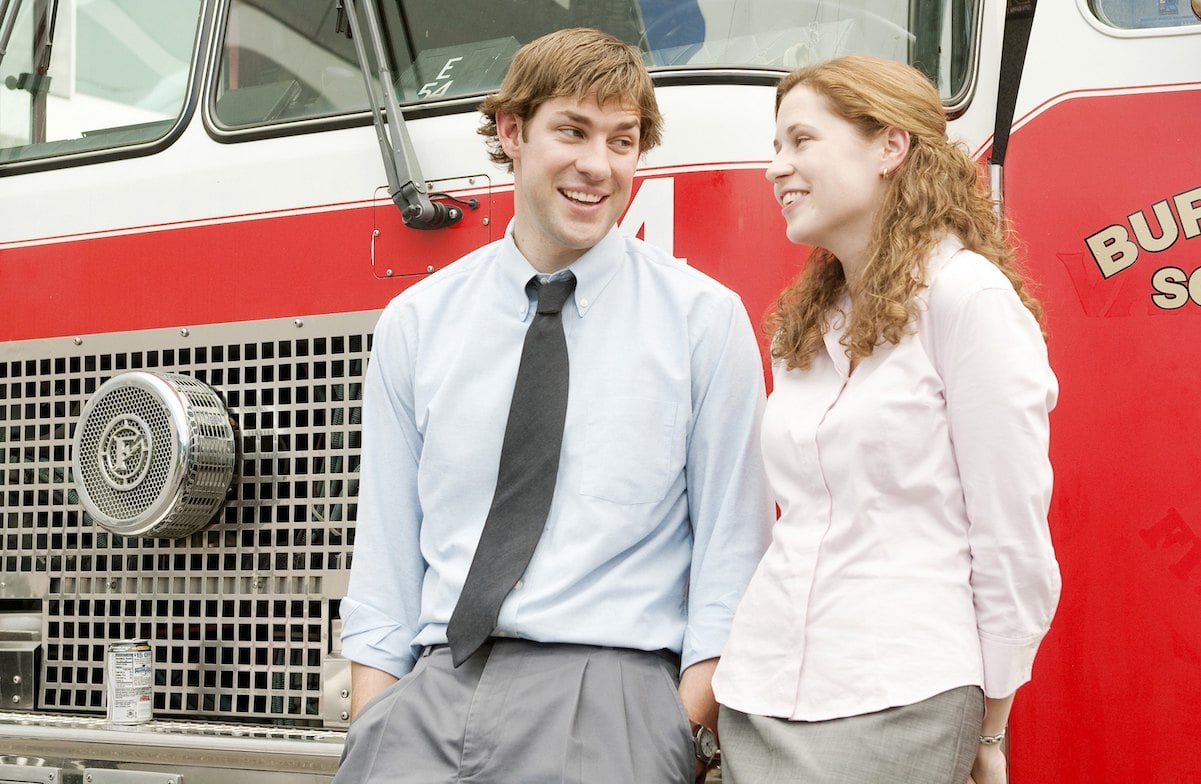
(579,62)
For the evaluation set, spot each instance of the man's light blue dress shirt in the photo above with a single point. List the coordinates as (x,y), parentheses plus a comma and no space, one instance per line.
(661,511)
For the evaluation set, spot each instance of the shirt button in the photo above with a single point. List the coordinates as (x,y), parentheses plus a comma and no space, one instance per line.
(583,303)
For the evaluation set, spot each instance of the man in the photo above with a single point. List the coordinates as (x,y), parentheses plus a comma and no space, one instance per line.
(653,510)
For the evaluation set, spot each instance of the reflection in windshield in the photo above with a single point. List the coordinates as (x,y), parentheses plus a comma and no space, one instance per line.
(283,60)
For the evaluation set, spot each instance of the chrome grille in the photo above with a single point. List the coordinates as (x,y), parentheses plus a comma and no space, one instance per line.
(241,614)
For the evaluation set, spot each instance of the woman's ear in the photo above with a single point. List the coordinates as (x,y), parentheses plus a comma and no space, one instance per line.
(896,147)
(508,132)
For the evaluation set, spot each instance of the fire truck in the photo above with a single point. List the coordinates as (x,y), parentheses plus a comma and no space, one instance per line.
(204,205)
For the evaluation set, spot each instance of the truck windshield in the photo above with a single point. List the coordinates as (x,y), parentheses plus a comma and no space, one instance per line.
(122,69)
(286,60)
(461,48)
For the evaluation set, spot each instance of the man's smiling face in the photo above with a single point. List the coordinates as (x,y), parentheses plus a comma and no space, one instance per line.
(573,171)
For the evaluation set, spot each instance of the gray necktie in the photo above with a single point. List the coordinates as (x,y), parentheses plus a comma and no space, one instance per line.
(525,484)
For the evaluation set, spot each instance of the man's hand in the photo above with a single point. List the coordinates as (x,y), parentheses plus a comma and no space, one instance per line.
(696,692)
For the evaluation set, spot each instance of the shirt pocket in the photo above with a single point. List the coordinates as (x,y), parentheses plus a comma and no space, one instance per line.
(628,449)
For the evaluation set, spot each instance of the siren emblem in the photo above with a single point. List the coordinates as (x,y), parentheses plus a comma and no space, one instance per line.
(126,447)
(154,455)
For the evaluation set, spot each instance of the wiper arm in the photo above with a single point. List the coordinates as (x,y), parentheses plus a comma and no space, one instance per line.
(43,67)
(8,22)
(405,183)
(38,81)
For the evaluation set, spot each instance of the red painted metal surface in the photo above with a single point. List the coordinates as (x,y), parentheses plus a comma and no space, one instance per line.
(1116,684)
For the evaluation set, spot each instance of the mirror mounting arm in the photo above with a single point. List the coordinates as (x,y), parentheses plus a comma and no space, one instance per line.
(405,183)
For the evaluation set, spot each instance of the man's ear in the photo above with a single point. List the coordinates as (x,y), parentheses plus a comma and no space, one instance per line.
(896,147)
(508,132)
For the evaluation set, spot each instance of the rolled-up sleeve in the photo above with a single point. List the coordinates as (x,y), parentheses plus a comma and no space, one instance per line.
(1000,390)
(383,603)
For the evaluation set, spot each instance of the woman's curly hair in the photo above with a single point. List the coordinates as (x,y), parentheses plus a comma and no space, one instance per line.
(937,190)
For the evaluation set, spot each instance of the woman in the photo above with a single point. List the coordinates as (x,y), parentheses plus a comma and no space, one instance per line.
(910,577)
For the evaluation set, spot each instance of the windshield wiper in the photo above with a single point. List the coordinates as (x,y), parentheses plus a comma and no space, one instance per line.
(7,22)
(405,183)
(39,80)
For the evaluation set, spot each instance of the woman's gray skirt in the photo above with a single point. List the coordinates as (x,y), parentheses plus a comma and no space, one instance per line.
(929,742)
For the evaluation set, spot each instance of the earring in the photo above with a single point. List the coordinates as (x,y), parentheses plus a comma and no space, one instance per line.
(884,173)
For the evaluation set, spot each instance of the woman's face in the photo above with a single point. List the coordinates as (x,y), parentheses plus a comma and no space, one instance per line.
(826,175)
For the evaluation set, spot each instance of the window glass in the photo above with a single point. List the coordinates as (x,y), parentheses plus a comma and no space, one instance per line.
(463,48)
(287,59)
(115,74)
(1139,14)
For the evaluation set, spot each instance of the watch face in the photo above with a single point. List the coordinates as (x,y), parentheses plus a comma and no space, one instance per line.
(706,743)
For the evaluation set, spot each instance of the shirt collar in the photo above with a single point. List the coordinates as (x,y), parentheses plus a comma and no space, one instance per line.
(947,247)
(943,251)
(593,270)
(833,337)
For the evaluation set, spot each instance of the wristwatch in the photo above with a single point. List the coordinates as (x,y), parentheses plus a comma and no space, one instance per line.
(704,744)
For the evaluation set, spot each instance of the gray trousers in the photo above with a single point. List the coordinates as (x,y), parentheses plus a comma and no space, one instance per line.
(929,742)
(525,713)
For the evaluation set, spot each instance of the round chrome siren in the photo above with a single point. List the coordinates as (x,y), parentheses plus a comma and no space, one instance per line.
(154,455)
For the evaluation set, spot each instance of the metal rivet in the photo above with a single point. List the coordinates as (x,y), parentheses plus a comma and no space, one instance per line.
(487,221)
(298,323)
(16,679)
(388,273)
(78,341)
(430,268)
(184,332)
(16,698)
(345,693)
(345,715)
(375,233)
